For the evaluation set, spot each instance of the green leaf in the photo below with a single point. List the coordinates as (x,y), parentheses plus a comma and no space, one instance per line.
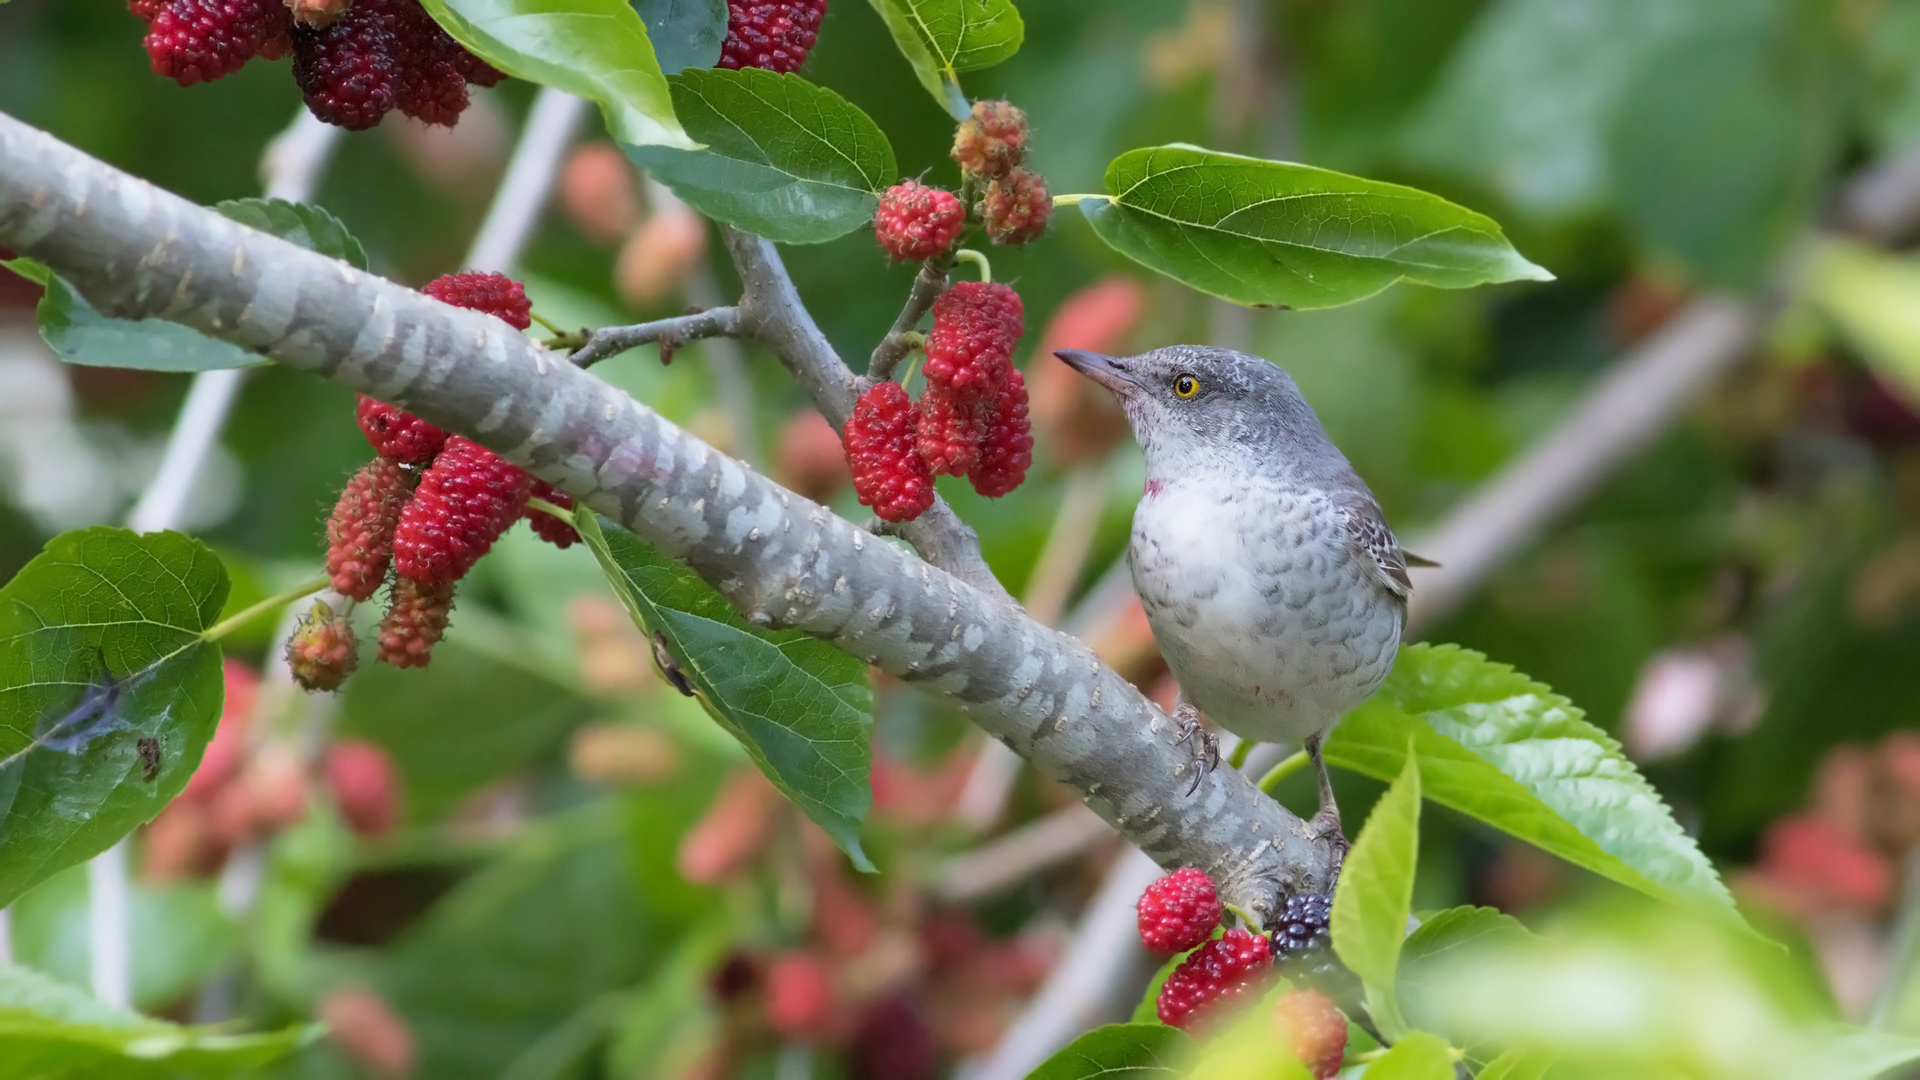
(1497,746)
(1765,88)
(1418,1056)
(100,651)
(595,49)
(1515,1065)
(53,1031)
(1375,894)
(1522,105)
(80,334)
(942,38)
(1455,927)
(312,227)
(1440,937)
(785,159)
(1148,1010)
(685,33)
(1117,1052)
(1277,234)
(802,708)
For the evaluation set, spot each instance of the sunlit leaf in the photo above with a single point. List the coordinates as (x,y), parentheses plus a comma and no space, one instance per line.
(802,708)
(1277,234)
(595,49)
(1118,1052)
(1375,894)
(942,38)
(1497,746)
(1418,1056)
(100,653)
(784,159)
(51,1030)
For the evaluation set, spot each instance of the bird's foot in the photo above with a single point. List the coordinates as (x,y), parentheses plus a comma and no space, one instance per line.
(1206,752)
(1325,825)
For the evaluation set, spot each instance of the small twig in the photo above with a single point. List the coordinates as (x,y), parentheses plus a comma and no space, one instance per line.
(928,284)
(680,329)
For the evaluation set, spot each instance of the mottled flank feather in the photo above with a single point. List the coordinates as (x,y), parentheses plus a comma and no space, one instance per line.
(1368,532)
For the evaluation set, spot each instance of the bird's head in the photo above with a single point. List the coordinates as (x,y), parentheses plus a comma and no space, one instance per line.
(1197,400)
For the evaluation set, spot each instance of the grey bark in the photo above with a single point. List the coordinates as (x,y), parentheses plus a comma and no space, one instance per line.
(138,252)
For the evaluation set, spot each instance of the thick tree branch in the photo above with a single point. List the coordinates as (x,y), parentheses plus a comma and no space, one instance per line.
(138,252)
(609,341)
(772,314)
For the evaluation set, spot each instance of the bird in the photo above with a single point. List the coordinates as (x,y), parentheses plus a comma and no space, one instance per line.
(1275,588)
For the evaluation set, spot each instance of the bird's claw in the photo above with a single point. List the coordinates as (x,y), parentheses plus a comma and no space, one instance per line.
(1206,755)
(1325,825)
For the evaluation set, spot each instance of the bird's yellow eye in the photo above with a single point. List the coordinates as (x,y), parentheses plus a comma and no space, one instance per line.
(1185,386)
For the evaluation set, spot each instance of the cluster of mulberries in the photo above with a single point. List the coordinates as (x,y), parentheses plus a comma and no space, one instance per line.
(990,146)
(971,420)
(1181,911)
(354,60)
(775,36)
(426,508)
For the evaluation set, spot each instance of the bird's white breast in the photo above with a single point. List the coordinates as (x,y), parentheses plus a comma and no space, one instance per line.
(1272,623)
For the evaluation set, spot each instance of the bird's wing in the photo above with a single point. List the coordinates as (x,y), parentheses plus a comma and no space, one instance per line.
(1368,532)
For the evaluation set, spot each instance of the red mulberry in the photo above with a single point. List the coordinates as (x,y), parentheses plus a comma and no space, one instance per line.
(775,36)
(916,222)
(416,620)
(1233,965)
(1006,451)
(1313,1030)
(545,525)
(196,41)
(383,55)
(496,294)
(466,499)
(1179,912)
(399,435)
(976,327)
(322,652)
(360,532)
(888,474)
(947,432)
(1016,208)
(992,140)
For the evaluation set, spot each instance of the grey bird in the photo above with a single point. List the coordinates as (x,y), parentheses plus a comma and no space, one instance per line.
(1274,586)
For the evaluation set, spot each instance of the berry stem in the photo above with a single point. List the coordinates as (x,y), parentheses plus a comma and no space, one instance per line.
(550,328)
(1246,920)
(546,507)
(1238,759)
(1070,200)
(1293,763)
(278,600)
(979,259)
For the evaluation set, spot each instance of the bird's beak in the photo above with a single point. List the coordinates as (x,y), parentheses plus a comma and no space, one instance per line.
(1108,371)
